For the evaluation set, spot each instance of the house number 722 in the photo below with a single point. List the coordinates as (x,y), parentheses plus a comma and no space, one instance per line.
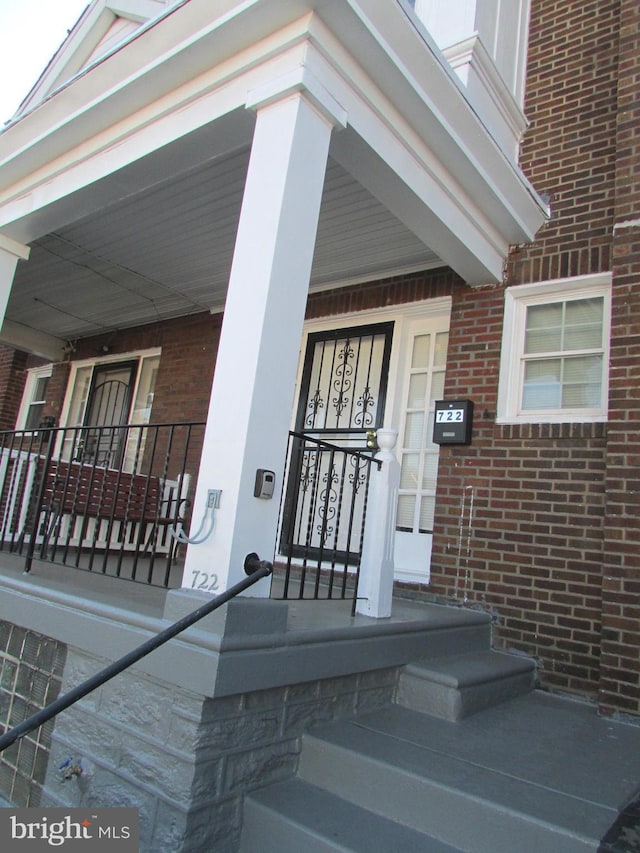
(205,581)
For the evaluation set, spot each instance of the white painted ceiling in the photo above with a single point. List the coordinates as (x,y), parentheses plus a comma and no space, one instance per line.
(167,251)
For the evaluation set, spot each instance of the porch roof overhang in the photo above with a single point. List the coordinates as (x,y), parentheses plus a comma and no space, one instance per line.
(126,182)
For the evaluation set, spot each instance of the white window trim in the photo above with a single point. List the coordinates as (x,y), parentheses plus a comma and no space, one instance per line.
(517,299)
(93,362)
(33,374)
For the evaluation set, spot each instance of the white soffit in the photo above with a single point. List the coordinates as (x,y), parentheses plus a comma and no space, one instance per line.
(378,33)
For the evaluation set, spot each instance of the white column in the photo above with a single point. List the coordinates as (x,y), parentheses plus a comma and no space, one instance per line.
(10,253)
(375,587)
(254,383)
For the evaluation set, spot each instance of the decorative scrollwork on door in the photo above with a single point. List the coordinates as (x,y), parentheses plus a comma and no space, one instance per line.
(345,379)
(342,395)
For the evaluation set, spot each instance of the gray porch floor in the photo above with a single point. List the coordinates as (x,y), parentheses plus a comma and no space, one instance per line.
(87,586)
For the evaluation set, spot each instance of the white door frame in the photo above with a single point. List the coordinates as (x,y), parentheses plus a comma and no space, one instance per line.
(408,319)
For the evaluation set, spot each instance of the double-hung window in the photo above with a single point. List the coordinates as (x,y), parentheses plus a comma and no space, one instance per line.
(554,362)
(34,398)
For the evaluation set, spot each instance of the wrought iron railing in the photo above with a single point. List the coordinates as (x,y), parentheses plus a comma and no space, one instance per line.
(107,500)
(99,498)
(322,519)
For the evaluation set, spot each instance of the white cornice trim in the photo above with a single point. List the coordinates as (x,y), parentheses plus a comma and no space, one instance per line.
(83,39)
(161,86)
(471,51)
(299,80)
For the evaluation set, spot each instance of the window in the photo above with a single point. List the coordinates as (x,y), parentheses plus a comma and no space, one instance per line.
(418,453)
(555,351)
(34,398)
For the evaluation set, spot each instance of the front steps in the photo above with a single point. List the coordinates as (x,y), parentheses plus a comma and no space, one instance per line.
(298,816)
(469,758)
(455,686)
(538,774)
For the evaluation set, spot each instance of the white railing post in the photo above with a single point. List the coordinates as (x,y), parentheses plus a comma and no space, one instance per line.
(375,589)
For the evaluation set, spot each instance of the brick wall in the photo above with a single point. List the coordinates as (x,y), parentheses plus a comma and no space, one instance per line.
(12,375)
(528,514)
(380,294)
(56,390)
(519,514)
(620,684)
(189,345)
(569,150)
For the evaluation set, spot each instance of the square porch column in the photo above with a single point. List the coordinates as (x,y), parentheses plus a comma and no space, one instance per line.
(253,388)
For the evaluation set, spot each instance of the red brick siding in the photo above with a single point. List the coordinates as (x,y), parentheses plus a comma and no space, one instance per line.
(620,661)
(519,514)
(56,390)
(569,150)
(13,366)
(189,345)
(368,296)
(183,386)
(534,551)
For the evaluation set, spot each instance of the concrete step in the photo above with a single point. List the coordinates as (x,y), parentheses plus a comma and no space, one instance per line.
(295,816)
(537,774)
(457,685)
(389,765)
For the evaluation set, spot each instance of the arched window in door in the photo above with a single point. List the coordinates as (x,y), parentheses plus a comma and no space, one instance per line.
(108,394)
(107,409)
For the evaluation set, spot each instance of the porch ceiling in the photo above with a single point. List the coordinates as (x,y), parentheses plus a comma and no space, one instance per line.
(166,251)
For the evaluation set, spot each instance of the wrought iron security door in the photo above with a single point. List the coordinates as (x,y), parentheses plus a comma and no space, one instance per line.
(108,406)
(342,397)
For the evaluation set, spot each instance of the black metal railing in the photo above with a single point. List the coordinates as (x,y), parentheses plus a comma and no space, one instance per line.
(323,519)
(101,498)
(255,568)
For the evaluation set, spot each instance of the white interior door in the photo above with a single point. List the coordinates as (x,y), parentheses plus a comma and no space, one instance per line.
(422,383)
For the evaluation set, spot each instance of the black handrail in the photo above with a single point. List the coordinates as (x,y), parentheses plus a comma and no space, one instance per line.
(255,568)
(366,456)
